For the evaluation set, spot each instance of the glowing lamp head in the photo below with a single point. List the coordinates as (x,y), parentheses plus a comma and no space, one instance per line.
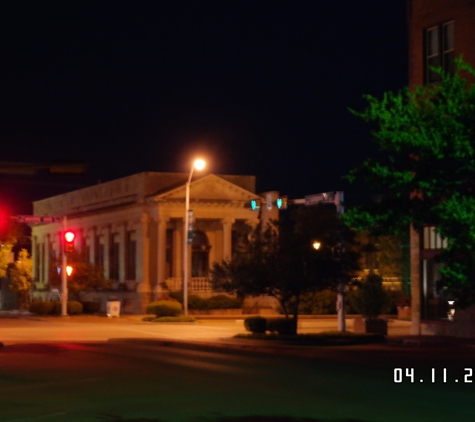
(69,270)
(316,245)
(199,164)
(69,236)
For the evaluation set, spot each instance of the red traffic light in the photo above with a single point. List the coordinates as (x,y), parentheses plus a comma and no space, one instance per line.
(69,237)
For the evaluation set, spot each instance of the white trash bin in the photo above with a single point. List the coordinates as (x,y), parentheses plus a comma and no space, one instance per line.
(113,308)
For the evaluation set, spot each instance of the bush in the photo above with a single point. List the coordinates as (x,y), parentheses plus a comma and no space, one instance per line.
(90,307)
(255,324)
(74,307)
(53,307)
(282,326)
(42,307)
(164,308)
(181,318)
(214,302)
(370,299)
(223,302)
(320,303)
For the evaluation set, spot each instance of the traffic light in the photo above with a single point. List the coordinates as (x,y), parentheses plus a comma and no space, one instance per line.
(255,205)
(282,202)
(69,237)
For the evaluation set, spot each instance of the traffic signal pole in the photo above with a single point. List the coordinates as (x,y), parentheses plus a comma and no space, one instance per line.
(64,275)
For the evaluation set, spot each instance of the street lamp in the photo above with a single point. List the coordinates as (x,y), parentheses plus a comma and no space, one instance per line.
(187,238)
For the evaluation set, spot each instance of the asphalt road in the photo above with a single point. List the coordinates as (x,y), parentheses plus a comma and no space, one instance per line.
(85,328)
(142,380)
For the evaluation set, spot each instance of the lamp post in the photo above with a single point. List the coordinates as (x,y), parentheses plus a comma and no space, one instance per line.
(187,239)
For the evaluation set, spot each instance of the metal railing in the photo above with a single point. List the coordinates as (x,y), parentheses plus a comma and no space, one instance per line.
(197,284)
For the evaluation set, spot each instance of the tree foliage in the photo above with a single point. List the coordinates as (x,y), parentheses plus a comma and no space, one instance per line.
(279,259)
(428,136)
(20,274)
(85,277)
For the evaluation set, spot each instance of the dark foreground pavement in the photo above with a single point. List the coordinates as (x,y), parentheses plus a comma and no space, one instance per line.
(169,380)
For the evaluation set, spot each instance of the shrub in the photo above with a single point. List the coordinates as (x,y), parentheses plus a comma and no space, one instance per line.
(223,302)
(53,307)
(178,295)
(164,308)
(42,307)
(255,324)
(370,299)
(320,303)
(196,302)
(282,326)
(201,304)
(90,307)
(74,307)
(180,318)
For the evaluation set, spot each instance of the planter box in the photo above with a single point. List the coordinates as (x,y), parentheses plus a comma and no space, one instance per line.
(374,326)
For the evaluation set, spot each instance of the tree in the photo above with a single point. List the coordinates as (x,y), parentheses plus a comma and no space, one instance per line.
(5,257)
(85,277)
(279,260)
(428,178)
(19,273)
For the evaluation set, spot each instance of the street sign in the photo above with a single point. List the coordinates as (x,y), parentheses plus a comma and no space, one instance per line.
(335,197)
(31,219)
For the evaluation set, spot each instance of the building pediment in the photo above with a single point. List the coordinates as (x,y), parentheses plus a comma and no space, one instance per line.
(208,188)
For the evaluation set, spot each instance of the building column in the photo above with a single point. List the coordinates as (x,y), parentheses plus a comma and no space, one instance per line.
(35,264)
(47,256)
(143,255)
(227,237)
(161,250)
(415,246)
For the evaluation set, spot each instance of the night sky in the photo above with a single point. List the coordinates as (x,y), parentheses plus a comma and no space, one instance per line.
(257,87)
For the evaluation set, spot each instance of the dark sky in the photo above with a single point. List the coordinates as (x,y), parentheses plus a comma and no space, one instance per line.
(258,87)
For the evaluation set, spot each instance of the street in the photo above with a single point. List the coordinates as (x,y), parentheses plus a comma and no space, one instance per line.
(86,328)
(128,380)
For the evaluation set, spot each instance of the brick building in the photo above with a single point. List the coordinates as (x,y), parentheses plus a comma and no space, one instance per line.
(439,31)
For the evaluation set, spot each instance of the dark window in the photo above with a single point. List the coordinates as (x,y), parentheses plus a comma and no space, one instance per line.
(439,50)
(200,255)
(131,253)
(114,261)
(100,255)
(169,253)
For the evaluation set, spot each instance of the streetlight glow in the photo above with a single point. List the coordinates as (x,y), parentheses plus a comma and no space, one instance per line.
(69,270)
(199,164)
(316,245)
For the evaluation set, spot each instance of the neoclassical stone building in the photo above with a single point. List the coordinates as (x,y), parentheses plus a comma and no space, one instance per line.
(133,227)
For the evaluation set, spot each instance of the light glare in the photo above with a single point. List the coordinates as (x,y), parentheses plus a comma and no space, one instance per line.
(199,164)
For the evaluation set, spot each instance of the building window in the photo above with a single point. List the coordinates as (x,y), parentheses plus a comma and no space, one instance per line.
(432,239)
(439,50)
(114,259)
(200,255)
(169,253)
(131,256)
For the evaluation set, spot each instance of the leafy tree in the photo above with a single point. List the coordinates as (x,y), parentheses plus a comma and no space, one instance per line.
(279,260)
(85,278)
(5,257)
(19,273)
(428,136)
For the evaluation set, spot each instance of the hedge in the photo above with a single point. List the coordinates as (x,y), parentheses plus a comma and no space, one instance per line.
(53,307)
(164,308)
